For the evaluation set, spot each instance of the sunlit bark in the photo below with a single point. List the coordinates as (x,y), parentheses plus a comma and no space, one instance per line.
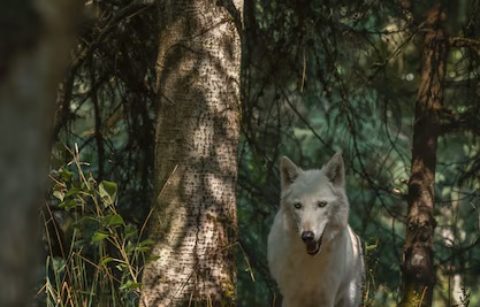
(197,132)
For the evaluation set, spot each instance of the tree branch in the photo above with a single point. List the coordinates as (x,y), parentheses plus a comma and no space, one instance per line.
(464,42)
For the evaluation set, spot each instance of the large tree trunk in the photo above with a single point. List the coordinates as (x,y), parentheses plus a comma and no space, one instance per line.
(34,46)
(419,275)
(197,132)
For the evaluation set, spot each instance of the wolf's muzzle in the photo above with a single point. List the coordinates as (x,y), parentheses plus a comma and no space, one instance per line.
(313,246)
(307,236)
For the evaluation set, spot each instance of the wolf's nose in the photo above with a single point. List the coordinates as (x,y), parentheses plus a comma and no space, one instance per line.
(308,236)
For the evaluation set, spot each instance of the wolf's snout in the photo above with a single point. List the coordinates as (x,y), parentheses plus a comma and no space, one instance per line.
(308,236)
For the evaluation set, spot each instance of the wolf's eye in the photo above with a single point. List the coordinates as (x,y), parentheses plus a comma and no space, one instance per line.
(321,204)
(297,205)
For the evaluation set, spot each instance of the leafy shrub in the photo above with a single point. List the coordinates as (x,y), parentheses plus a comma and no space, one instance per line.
(94,257)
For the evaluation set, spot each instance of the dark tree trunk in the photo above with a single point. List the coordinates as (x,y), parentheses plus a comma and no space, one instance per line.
(35,40)
(418,269)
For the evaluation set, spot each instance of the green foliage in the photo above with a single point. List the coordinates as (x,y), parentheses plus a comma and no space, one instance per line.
(95,257)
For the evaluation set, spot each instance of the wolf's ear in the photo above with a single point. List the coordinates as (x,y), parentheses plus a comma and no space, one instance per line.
(335,171)
(288,171)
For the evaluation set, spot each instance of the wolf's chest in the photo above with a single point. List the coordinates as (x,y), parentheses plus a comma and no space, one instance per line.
(308,276)
(308,283)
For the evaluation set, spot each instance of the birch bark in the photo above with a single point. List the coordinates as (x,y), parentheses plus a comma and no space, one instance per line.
(197,132)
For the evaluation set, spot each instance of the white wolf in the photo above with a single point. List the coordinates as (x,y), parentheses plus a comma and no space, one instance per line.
(313,254)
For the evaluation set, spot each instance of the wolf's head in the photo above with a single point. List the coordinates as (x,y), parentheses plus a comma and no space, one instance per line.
(315,202)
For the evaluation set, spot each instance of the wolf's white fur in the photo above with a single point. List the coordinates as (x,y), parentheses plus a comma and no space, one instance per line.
(334,276)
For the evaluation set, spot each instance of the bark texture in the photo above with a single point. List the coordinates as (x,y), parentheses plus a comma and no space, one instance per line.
(197,133)
(418,269)
(33,54)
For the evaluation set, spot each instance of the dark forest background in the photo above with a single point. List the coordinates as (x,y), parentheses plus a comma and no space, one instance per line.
(317,77)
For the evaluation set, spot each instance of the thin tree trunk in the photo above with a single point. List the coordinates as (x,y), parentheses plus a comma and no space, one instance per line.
(418,270)
(35,37)
(197,132)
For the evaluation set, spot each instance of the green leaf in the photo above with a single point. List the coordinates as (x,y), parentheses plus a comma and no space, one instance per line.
(99,236)
(72,191)
(371,247)
(114,220)
(144,246)
(108,192)
(142,249)
(130,232)
(147,242)
(106,260)
(59,195)
(69,204)
(65,174)
(120,267)
(130,285)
